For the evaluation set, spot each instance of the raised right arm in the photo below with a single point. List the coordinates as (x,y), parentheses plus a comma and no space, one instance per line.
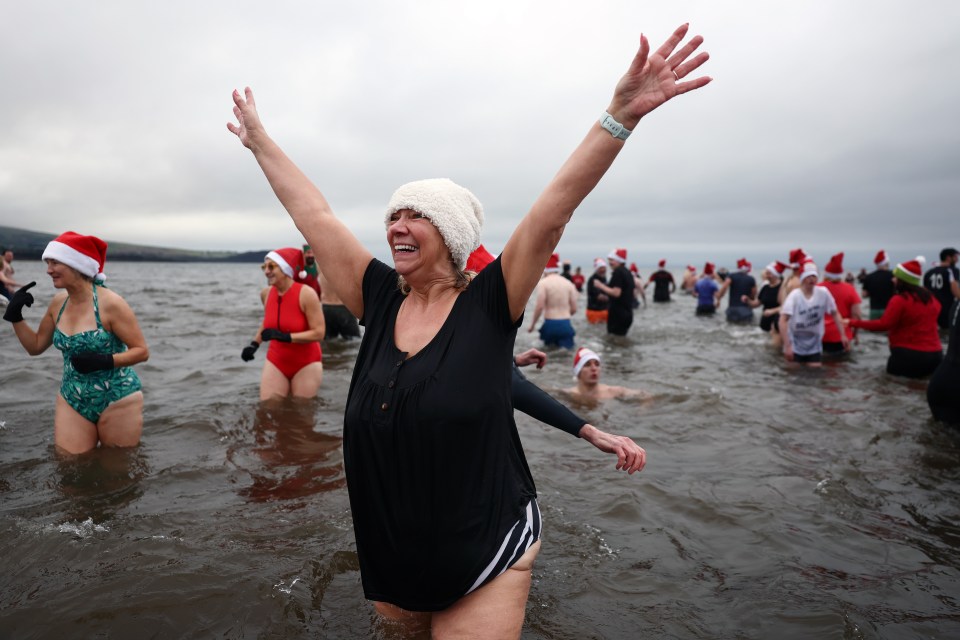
(339,253)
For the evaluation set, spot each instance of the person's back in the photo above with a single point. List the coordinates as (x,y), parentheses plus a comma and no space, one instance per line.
(706,289)
(560,302)
(940,281)
(741,284)
(878,288)
(662,284)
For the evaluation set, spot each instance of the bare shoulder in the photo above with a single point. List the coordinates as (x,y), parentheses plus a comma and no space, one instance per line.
(111,302)
(56,303)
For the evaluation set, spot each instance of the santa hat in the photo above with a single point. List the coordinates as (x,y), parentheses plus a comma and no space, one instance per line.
(776,268)
(289,260)
(881,258)
(633,268)
(620,255)
(744,265)
(662,263)
(809,269)
(553,264)
(796,258)
(454,211)
(581,358)
(691,268)
(911,271)
(834,268)
(599,262)
(478,259)
(708,269)
(86,254)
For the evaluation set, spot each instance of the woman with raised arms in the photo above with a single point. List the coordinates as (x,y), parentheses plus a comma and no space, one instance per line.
(444,505)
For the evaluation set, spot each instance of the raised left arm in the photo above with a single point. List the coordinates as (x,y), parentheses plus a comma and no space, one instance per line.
(650,81)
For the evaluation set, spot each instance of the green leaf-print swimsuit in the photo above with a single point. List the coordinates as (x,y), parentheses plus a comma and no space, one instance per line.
(91,393)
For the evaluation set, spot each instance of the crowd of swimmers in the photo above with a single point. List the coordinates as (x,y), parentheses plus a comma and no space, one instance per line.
(807,317)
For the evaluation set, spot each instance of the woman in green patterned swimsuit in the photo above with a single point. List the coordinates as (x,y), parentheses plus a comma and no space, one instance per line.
(100,399)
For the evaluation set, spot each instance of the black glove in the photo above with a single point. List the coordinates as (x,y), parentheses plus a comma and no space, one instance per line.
(249,350)
(88,361)
(22,298)
(275,334)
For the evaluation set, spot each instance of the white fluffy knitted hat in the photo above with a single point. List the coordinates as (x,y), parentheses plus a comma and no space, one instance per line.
(454,211)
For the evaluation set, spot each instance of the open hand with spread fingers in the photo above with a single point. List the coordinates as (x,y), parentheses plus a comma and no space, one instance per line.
(654,78)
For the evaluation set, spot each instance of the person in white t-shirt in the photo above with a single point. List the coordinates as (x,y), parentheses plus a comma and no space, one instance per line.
(801,319)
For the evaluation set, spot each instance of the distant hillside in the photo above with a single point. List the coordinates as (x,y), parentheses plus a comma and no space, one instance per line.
(28,245)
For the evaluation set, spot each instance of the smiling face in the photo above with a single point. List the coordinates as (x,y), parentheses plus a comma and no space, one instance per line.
(416,244)
(60,274)
(273,274)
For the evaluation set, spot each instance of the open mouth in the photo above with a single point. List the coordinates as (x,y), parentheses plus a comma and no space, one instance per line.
(404,248)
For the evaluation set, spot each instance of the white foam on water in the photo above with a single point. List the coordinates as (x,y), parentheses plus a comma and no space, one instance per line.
(83,529)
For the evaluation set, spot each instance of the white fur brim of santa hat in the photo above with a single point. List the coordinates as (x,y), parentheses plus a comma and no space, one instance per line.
(454,211)
(86,254)
(284,265)
(809,269)
(620,255)
(582,357)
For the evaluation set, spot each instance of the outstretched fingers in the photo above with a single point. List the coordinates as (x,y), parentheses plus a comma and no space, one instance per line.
(676,38)
(676,60)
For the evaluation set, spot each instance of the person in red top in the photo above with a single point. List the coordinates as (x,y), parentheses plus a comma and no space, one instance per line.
(911,322)
(578,279)
(848,304)
(293,323)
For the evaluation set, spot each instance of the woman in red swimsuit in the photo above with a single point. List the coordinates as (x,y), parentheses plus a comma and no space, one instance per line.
(293,323)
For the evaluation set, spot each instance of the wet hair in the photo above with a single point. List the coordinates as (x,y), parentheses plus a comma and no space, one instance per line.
(947,253)
(906,290)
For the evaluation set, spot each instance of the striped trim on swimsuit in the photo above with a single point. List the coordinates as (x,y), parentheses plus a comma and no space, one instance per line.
(521,536)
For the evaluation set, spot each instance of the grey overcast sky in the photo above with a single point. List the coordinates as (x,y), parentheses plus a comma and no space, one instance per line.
(831,125)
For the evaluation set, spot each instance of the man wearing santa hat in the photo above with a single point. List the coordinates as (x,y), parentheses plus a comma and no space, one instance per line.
(848,304)
(589,389)
(740,284)
(620,292)
(556,302)
(878,285)
(662,281)
(706,290)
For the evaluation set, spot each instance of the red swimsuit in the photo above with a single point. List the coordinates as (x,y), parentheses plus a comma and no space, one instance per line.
(283,313)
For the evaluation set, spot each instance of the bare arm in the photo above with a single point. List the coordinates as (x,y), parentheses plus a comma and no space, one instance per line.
(784,327)
(722,290)
(338,252)
(650,81)
(36,342)
(119,319)
(538,309)
(630,456)
(573,299)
